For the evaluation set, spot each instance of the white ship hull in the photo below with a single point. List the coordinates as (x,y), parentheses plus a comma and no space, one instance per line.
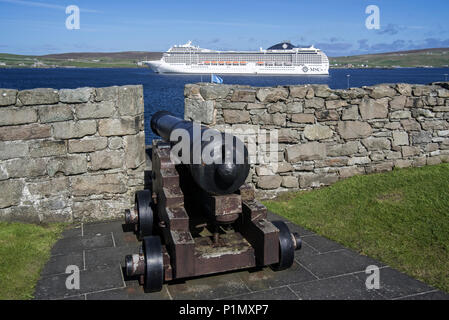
(161,66)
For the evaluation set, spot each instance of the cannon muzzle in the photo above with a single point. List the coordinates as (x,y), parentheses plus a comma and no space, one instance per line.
(229,166)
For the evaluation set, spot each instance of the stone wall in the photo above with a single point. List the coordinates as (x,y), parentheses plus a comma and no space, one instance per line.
(326,135)
(70,154)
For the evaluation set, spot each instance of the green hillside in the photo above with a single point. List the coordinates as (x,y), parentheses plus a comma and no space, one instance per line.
(416,58)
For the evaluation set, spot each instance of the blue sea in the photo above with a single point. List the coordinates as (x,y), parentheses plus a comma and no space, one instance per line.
(166,92)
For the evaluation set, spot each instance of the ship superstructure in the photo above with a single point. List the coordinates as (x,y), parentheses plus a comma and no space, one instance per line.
(282,58)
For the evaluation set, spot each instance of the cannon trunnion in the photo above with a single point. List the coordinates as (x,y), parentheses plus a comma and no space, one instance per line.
(189,228)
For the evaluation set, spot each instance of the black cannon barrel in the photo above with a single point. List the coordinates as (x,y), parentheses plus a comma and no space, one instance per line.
(230,167)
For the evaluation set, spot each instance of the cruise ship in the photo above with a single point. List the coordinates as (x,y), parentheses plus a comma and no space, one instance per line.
(282,58)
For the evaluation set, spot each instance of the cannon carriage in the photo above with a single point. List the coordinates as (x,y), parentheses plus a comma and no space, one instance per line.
(201,218)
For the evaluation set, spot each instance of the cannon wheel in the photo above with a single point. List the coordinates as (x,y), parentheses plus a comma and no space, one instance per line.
(286,247)
(154,264)
(145,212)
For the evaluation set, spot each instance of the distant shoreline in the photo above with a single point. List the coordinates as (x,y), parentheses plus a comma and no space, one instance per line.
(425,58)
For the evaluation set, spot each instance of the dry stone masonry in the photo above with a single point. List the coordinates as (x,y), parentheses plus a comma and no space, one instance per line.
(70,154)
(326,135)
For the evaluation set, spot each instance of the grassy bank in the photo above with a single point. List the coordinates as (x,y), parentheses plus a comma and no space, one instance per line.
(400,218)
(24,250)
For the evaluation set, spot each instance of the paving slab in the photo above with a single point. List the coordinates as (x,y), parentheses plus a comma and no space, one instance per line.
(323,269)
(394,284)
(282,293)
(345,287)
(128,293)
(54,287)
(218,286)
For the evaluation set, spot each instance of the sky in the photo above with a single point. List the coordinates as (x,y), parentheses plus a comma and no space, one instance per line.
(336,27)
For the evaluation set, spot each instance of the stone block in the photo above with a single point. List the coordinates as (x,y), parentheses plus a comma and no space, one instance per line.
(243,95)
(315,180)
(54,113)
(13,149)
(321,90)
(306,151)
(47,148)
(118,127)
(335,104)
(103,160)
(255,106)
(97,110)
(130,100)
(354,129)
(214,91)
(408,151)
(400,163)
(435,125)
(373,109)
(87,144)
(115,143)
(276,107)
(70,130)
(106,94)
(272,94)
(410,125)
(26,132)
(303,118)
(403,114)
(350,113)
(327,115)
(10,117)
(135,150)
(269,182)
(38,96)
(398,103)
(287,135)
(358,160)
(317,132)
(421,137)
(78,95)
(376,143)
(47,188)
(295,107)
(379,167)
(201,111)
(236,116)
(8,97)
(232,105)
(98,184)
(24,168)
(347,172)
(381,91)
(404,89)
(298,91)
(11,193)
(314,103)
(400,138)
(68,165)
(290,182)
(343,149)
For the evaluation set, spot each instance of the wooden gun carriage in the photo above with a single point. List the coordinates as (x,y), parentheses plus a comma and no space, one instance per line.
(200,219)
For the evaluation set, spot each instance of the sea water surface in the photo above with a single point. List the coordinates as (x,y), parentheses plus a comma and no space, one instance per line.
(166,92)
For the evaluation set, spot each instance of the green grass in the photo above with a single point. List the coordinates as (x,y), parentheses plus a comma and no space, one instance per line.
(400,218)
(24,250)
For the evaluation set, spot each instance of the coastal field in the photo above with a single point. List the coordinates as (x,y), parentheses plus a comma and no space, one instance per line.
(398,217)
(436,58)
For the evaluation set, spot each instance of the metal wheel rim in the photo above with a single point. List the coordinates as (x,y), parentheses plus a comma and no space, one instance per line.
(154,264)
(286,247)
(145,212)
